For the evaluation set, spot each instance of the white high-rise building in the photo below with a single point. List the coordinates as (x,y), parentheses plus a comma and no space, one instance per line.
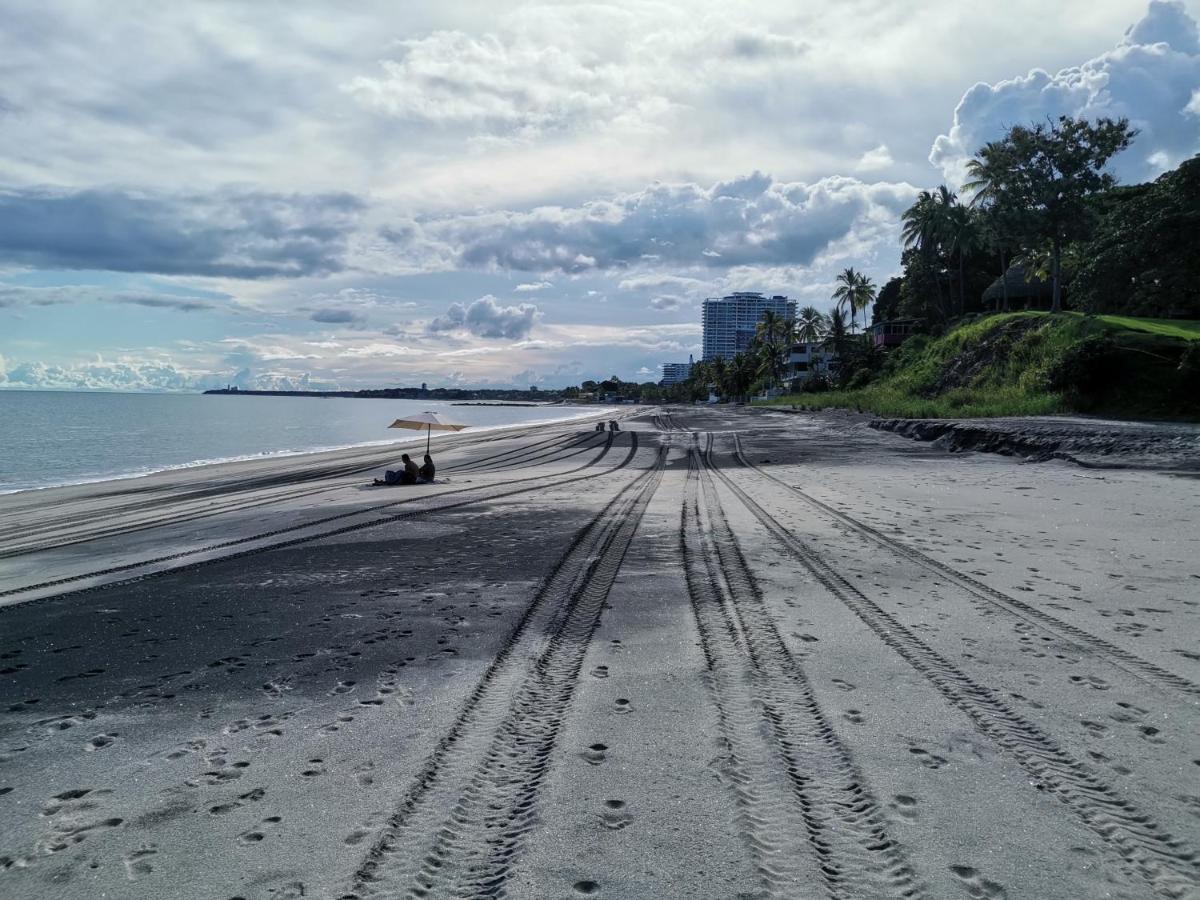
(675,373)
(730,322)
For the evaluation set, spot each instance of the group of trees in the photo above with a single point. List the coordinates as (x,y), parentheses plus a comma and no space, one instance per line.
(1040,203)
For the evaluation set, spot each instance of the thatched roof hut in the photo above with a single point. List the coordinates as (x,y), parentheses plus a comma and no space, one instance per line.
(1025,289)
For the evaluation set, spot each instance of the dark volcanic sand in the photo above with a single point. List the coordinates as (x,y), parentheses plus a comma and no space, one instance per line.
(841,664)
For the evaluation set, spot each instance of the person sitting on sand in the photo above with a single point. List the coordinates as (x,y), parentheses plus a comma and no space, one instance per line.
(426,472)
(407,475)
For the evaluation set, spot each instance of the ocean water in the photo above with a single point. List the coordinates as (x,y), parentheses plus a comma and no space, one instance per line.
(52,438)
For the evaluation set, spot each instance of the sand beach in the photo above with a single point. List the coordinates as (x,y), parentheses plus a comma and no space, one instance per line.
(717,653)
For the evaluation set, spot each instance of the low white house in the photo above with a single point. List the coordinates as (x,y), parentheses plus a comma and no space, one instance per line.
(808,359)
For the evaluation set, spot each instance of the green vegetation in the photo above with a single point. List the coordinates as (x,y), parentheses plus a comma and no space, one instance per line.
(1034,363)
(1044,225)
(1188,329)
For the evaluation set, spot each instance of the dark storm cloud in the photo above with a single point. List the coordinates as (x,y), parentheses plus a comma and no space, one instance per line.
(226,234)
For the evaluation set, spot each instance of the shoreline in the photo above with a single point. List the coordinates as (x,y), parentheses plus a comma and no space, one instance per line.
(284,454)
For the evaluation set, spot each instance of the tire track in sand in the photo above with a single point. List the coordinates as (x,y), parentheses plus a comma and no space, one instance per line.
(87,529)
(1069,634)
(542,484)
(808,815)
(1165,862)
(488,769)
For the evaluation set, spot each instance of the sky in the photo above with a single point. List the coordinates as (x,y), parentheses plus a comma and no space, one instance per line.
(309,195)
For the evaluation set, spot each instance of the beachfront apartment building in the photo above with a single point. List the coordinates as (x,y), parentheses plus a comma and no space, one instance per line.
(675,373)
(808,359)
(730,321)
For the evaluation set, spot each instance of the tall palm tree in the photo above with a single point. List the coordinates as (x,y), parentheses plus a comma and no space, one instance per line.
(774,335)
(855,291)
(864,296)
(963,229)
(843,295)
(926,228)
(996,222)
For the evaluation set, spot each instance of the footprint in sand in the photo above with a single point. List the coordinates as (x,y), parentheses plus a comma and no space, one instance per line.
(1091,681)
(364,774)
(622,706)
(137,862)
(99,742)
(600,672)
(905,807)
(927,759)
(853,716)
(595,754)
(976,885)
(844,685)
(1151,734)
(586,888)
(615,816)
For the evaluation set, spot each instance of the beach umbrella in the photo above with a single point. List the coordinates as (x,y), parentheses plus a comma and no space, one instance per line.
(427,422)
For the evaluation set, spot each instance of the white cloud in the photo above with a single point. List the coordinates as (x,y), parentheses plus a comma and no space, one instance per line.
(124,374)
(666,302)
(750,220)
(658,280)
(1150,78)
(876,159)
(487,318)
(503,85)
(532,287)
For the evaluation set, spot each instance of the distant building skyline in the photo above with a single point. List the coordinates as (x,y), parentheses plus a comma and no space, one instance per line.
(676,373)
(729,322)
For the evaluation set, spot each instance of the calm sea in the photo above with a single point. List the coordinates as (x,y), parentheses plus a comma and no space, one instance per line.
(52,438)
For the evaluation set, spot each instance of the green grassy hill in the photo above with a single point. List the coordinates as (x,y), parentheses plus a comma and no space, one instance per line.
(1032,363)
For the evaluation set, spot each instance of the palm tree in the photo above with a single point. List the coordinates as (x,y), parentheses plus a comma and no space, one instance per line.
(855,291)
(837,339)
(963,229)
(810,325)
(996,222)
(925,228)
(773,338)
(739,375)
(864,296)
(846,282)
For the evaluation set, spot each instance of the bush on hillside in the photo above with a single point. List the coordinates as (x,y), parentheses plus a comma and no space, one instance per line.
(1088,369)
